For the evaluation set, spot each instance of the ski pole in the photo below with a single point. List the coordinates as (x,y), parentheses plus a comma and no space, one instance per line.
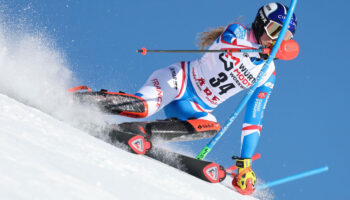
(292,178)
(288,50)
(144,51)
(250,92)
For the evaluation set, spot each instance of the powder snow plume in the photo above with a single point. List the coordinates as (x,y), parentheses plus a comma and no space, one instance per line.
(35,72)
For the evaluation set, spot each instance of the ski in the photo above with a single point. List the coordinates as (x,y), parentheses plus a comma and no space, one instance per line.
(205,170)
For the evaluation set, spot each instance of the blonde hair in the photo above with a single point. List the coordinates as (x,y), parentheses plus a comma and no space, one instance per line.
(208,37)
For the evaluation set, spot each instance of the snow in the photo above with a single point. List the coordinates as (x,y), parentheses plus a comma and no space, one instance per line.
(44,158)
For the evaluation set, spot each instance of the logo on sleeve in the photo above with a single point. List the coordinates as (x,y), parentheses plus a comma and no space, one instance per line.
(262,95)
(239,31)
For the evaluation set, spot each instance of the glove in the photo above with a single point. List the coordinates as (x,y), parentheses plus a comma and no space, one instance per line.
(244,181)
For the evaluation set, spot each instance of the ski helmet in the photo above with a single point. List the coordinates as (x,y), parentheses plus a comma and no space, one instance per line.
(270,19)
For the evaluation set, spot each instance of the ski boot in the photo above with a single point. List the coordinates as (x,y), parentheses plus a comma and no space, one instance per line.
(244,181)
(118,103)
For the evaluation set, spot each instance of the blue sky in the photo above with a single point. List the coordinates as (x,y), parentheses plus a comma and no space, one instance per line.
(306,117)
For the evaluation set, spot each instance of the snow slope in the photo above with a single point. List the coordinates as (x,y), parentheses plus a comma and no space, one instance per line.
(44,158)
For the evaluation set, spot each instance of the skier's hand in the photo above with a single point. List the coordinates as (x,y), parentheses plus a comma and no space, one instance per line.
(245,180)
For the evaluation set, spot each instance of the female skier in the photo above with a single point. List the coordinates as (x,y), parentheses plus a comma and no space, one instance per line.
(189,91)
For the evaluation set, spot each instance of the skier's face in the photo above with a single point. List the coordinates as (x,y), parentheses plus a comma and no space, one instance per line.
(266,41)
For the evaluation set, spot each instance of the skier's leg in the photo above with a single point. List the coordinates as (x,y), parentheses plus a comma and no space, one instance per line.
(169,129)
(163,87)
(193,120)
(185,122)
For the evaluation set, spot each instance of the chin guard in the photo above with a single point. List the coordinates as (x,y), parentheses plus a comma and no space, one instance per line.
(288,50)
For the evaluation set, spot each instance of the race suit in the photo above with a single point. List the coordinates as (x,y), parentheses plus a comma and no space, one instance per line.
(193,89)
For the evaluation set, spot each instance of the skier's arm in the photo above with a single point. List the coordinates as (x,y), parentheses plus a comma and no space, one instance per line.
(236,36)
(233,31)
(253,117)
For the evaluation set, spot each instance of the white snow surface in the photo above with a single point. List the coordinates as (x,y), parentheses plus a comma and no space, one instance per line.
(44,158)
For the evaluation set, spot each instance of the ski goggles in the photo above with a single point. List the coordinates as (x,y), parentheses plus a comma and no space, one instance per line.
(273,30)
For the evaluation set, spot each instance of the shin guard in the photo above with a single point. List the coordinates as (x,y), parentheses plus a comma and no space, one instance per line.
(113,102)
(172,129)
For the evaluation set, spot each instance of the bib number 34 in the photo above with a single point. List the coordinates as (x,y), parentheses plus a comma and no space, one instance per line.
(219,82)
